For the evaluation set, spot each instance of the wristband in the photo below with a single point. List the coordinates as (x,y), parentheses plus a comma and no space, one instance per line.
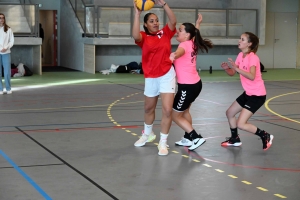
(164,4)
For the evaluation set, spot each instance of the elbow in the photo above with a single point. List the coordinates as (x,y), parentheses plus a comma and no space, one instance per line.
(136,36)
(174,22)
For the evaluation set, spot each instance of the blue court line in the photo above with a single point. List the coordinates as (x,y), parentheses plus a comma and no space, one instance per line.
(26,176)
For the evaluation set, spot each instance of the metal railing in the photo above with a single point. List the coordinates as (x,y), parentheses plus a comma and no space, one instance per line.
(107,21)
(27,22)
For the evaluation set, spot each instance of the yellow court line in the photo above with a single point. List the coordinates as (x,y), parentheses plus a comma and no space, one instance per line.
(280,196)
(267,107)
(232,176)
(246,182)
(218,170)
(195,160)
(262,189)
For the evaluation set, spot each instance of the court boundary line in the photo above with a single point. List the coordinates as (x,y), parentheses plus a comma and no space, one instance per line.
(275,113)
(38,188)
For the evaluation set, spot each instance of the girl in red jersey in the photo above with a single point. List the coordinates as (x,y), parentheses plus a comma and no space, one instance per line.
(158,72)
(247,64)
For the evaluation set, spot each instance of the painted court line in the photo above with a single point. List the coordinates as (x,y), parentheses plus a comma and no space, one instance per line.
(218,170)
(269,109)
(40,190)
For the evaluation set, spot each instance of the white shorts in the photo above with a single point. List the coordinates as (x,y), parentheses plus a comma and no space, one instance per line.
(163,84)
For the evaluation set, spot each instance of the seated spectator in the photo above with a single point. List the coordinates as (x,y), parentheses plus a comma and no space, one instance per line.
(132,67)
(18,71)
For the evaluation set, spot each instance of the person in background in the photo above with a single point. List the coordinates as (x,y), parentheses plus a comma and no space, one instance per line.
(41,32)
(247,64)
(158,72)
(189,81)
(6,43)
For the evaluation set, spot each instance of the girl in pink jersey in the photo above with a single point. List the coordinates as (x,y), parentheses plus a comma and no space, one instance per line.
(247,65)
(189,82)
(158,72)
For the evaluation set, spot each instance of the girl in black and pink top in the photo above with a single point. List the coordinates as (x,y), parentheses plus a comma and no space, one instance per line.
(189,81)
(247,64)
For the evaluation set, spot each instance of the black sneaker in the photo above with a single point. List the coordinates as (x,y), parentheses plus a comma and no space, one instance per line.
(267,140)
(236,142)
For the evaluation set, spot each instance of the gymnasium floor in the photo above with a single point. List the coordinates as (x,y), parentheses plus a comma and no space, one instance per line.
(70,136)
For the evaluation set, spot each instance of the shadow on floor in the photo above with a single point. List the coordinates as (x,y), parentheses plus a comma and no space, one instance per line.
(57,69)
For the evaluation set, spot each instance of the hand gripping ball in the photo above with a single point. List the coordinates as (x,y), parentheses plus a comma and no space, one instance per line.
(144,4)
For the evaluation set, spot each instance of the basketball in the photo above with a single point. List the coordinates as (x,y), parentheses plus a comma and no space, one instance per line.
(144,4)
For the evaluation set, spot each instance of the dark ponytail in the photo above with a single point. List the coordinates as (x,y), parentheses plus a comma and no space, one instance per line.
(199,42)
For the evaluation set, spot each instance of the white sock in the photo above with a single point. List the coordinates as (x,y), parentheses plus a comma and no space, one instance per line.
(147,129)
(163,137)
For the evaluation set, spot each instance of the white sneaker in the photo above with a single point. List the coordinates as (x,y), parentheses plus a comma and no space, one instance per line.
(1,92)
(197,143)
(8,92)
(184,142)
(163,148)
(145,138)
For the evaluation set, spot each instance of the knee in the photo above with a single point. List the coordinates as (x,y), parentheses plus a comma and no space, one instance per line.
(167,112)
(148,109)
(240,125)
(228,114)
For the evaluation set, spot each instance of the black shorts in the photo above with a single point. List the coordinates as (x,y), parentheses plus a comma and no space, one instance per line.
(186,94)
(251,103)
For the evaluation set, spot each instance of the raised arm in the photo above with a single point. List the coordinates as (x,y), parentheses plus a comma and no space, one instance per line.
(199,21)
(137,36)
(172,18)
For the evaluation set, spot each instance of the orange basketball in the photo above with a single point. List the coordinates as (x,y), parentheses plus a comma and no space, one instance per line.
(144,4)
